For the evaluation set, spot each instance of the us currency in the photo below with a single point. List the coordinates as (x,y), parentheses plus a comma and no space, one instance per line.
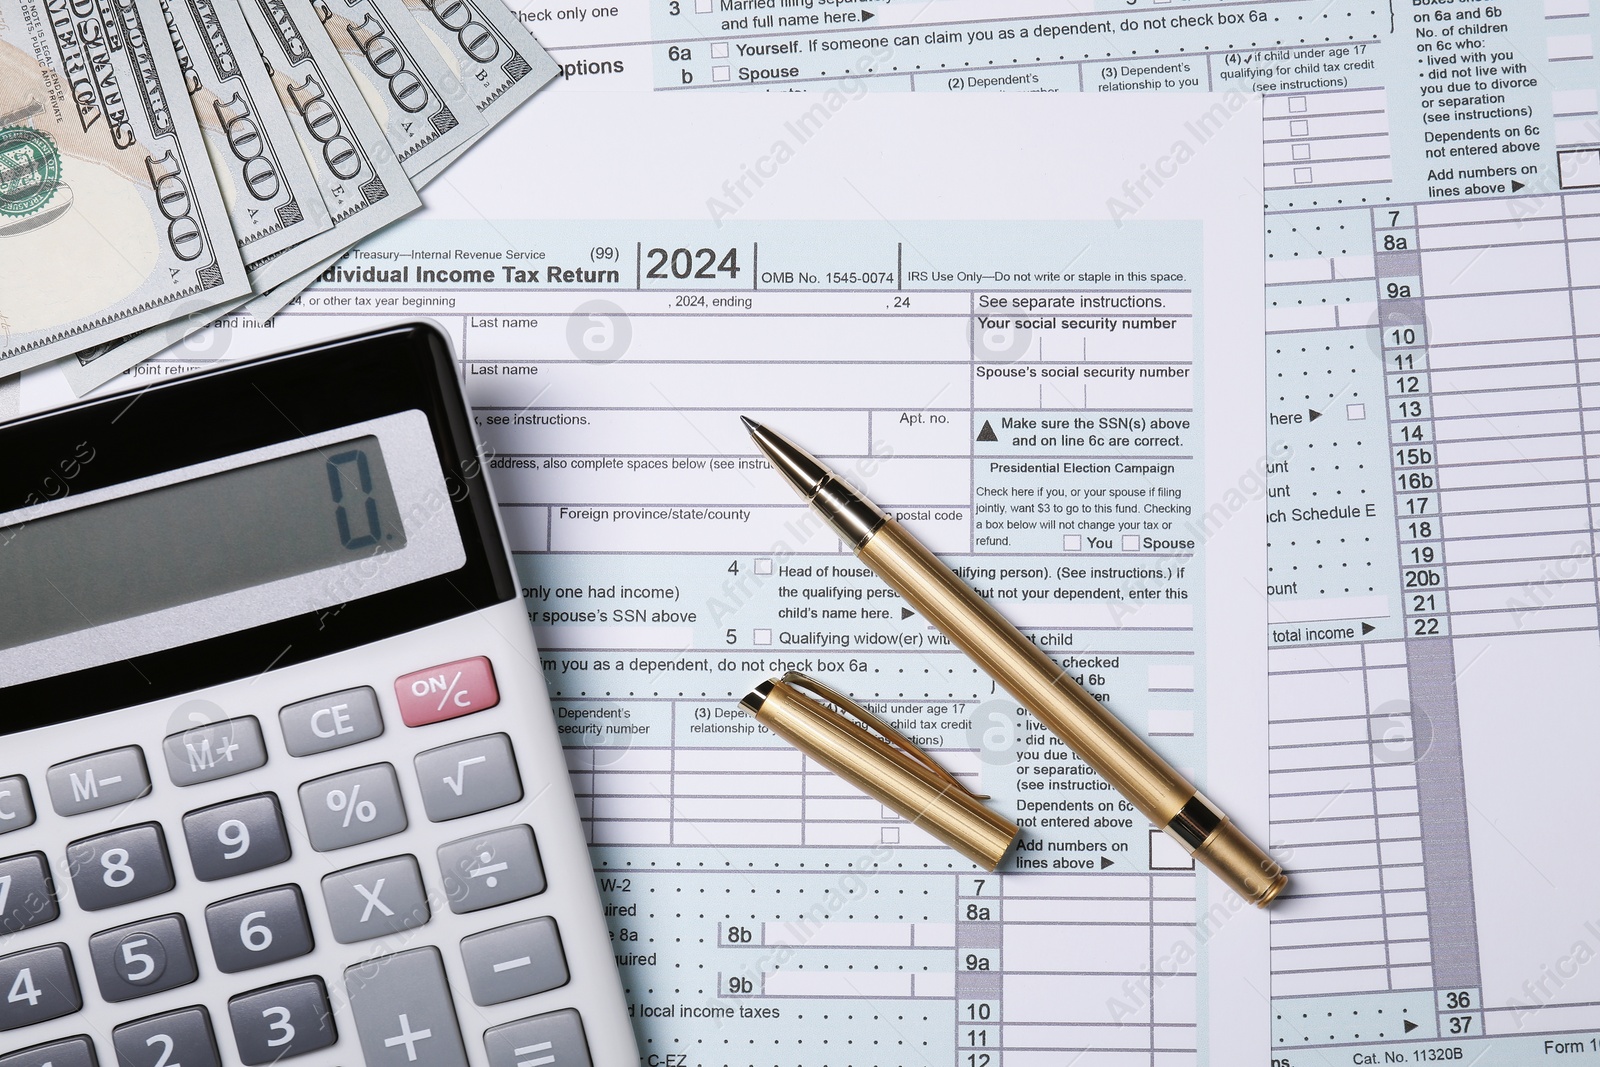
(272,196)
(110,216)
(177,343)
(499,65)
(497,61)
(363,185)
(405,81)
(175,340)
(88,370)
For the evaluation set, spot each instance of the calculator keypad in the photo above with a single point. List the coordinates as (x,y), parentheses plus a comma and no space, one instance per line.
(332,721)
(375,899)
(29,897)
(16,808)
(554,1039)
(142,958)
(352,807)
(120,867)
(514,961)
(73,1052)
(98,781)
(236,837)
(175,1037)
(403,1011)
(468,777)
(491,869)
(259,928)
(36,986)
(215,750)
(282,1021)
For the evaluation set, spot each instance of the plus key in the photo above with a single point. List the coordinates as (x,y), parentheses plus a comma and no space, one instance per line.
(403,1011)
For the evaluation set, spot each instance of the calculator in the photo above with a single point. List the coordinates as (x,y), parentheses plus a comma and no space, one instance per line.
(279,780)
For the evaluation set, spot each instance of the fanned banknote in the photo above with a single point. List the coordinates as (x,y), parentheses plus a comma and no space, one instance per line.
(110,217)
(405,81)
(163,340)
(263,307)
(362,183)
(272,196)
(497,61)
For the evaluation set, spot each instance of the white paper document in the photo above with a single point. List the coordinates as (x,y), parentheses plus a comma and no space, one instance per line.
(936,298)
(1432,177)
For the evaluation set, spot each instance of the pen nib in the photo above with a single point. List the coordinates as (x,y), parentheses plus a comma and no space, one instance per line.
(804,471)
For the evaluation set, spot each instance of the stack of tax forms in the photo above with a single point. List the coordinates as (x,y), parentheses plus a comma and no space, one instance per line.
(165,162)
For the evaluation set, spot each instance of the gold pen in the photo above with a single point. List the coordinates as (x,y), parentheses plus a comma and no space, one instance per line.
(886,765)
(1038,682)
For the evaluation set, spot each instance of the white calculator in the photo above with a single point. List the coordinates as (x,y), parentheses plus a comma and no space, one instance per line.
(278,775)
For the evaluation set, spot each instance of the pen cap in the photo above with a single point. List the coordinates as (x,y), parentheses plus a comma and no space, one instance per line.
(917,790)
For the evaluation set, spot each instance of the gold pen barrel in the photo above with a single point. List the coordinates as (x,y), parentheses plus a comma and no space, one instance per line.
(1119,755)
(944,810)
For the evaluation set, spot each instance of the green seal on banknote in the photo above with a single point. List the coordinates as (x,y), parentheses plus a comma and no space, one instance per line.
(30,170)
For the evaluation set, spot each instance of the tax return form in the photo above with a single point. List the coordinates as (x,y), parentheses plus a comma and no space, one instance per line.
(934,296)
(1432,192)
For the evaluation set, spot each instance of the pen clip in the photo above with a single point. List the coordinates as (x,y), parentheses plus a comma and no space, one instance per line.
(888,734)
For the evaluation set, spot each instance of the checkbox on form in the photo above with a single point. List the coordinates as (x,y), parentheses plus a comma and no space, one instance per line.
(1130,542)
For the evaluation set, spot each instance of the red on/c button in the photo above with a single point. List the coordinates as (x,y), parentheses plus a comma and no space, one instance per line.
(446,691)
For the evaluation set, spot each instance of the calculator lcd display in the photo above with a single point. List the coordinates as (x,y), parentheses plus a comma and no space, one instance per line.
(192,540)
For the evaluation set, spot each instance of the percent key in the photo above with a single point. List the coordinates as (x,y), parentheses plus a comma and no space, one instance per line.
(352,807)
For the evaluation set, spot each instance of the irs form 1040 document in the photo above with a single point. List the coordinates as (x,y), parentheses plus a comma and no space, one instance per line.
(1432,176)
(932,295)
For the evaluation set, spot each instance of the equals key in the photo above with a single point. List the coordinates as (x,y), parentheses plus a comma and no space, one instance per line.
(554,1039)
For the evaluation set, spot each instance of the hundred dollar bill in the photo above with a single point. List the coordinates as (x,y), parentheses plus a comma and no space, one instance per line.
(174,341)
(405,81)
(177,344)
(272,196)
(362,183)
(497,61)
(110,217)
(88,370)
(262,308)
